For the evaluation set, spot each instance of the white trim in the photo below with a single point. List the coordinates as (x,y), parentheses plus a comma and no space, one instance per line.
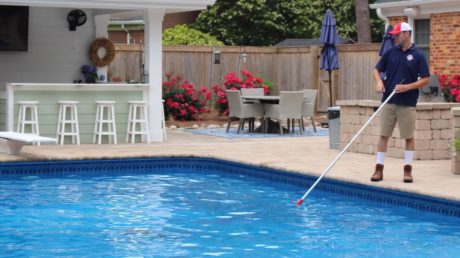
(9,107)
(411,3)
(115,4)
(101,22)
(136,22)
(425,7)
(71,86)
(153,66)
(383,18)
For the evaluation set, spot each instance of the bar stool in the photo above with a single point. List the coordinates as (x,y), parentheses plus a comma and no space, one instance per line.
(22,117)
(61,133)
(111,132)
(137,115)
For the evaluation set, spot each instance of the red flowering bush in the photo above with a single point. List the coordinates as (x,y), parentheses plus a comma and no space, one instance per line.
(233,82)
(182,101)
(450,88)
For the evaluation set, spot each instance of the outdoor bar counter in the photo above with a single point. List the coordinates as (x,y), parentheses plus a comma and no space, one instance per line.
(48,95)
(433,129)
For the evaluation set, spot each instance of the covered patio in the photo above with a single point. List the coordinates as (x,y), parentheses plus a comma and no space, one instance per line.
(54,54)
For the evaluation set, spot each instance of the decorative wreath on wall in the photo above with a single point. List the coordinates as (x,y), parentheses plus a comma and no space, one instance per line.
(109,52)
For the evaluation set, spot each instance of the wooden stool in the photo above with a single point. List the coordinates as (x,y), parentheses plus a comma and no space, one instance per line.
(99,123)
(32,106)
(65,105)
(137,115)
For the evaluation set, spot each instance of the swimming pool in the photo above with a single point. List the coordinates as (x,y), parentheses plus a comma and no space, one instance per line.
(179,207)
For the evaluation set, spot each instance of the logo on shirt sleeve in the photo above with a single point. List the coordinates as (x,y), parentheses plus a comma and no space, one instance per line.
(410,57)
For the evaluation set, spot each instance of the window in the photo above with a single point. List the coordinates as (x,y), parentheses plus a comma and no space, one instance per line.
(422,36)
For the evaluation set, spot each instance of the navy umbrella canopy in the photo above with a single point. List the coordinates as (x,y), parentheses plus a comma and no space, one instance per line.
(387,43)
(329,55)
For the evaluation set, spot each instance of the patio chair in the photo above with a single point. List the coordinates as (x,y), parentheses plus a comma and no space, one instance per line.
(308,107)
(242,111)
(252,92)
(289,107)
(433,87)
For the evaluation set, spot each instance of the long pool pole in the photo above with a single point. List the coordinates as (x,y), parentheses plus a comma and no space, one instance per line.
(300,201)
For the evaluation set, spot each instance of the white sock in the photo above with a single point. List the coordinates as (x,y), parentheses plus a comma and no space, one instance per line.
(408,156)
(380,157)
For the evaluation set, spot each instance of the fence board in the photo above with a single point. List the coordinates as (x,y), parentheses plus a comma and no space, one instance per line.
(289,68)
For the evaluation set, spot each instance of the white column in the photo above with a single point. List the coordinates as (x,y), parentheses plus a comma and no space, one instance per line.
(101,22)
(153,55)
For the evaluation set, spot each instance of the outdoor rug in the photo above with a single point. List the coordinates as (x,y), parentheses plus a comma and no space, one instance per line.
(220,132)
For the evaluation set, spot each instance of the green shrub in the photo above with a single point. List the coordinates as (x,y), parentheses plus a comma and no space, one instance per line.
(183,35)
(457,144)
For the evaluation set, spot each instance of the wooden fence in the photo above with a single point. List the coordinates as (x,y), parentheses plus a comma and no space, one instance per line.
(289,68)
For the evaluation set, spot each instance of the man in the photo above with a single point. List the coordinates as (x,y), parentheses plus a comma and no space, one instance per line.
(407,71)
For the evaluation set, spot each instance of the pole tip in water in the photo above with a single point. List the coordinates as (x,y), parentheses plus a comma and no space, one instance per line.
(299,202)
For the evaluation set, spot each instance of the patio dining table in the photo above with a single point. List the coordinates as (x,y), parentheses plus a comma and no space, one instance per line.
(264,99)
(273,127)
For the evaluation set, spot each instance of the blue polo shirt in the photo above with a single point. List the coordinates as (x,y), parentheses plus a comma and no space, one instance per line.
(399,65)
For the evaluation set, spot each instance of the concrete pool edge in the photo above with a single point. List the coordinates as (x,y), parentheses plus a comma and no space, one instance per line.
(374,193)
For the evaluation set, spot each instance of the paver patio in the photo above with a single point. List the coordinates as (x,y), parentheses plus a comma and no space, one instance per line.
(308,155)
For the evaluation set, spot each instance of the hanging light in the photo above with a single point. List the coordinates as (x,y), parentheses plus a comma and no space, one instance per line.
(217,55)
(245,57)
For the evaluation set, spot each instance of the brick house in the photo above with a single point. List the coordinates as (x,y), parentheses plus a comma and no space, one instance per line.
(130,30)
(436,25)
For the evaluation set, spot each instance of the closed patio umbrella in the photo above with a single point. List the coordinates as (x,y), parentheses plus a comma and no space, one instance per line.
(329,56)
(387,43)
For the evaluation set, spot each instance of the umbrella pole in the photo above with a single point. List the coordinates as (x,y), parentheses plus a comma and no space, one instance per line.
(330,88)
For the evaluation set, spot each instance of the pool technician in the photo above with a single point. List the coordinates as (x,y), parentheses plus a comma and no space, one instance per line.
(404,62)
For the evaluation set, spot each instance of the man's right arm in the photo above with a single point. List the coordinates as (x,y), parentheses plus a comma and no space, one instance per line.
(379,87)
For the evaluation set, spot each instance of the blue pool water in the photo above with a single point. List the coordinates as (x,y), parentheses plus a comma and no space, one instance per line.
(181,213)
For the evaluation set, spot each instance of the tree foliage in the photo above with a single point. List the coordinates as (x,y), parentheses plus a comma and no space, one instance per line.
(183,35)
(266,22)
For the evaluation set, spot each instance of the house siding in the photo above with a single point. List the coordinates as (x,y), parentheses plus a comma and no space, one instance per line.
(445,43)
(54,54)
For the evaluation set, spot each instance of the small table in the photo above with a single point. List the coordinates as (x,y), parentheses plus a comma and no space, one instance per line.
(264,99)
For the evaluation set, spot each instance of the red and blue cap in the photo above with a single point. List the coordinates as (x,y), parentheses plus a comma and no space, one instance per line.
(400,27)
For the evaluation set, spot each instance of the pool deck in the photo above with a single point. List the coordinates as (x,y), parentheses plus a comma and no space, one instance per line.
(308,155)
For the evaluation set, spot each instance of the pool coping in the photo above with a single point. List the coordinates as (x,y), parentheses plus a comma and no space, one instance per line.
(381,195)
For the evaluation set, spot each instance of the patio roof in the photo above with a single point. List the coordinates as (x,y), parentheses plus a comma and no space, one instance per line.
(409,3)
(169,5)
(422,8)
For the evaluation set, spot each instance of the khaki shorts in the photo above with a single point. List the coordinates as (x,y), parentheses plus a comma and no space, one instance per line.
(403,114)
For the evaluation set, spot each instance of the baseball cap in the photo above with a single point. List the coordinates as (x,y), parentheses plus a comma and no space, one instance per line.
(401,26)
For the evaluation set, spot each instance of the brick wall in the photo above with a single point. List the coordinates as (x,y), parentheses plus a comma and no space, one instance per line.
(172,19)
(433,130)
(119,37)
(396,19)
(445,43)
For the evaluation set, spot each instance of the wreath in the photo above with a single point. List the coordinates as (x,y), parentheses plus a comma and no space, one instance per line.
(109,52)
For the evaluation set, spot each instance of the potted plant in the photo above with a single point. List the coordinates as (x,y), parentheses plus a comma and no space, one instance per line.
(456,157)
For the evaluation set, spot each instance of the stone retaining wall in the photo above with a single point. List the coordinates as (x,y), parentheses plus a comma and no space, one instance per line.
(433,129)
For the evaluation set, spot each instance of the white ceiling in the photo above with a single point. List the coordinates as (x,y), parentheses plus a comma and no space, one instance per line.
(168,5)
